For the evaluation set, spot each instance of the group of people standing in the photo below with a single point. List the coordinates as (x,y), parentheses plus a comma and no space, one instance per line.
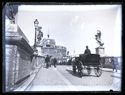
(49,61)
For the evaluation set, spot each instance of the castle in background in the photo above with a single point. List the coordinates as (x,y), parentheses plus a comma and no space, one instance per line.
(48,46)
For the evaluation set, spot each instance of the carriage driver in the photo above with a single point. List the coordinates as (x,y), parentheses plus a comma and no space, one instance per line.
(87,51)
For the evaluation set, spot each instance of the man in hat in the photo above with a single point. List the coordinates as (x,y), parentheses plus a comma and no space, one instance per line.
(87,51)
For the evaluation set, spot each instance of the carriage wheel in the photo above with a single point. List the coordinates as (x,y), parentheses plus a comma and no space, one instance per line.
(80,74)
(89,70)
(74,69)
(98,71)
(80,71)
(80,68)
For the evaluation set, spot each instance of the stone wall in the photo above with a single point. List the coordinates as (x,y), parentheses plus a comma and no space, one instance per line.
(37,61)
(18,65)
(24,64)
(10,65)
(40,60)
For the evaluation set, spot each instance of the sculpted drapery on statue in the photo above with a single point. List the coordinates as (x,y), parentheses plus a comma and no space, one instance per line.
(39,35)
(98,38)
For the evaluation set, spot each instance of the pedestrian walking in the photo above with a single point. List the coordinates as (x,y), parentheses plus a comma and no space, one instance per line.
(114,63)
(54,62)
(47,60)
(73,65)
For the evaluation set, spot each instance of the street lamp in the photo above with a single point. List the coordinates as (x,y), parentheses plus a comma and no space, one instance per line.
(36,28)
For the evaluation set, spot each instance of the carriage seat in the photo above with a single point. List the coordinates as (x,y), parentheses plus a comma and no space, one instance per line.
(90,59)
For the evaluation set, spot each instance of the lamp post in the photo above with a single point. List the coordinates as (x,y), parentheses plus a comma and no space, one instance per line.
(35,50)
(36,28)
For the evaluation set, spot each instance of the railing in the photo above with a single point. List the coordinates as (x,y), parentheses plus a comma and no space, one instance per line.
(107,62)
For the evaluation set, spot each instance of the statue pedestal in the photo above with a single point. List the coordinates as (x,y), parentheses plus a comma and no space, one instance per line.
(100,51)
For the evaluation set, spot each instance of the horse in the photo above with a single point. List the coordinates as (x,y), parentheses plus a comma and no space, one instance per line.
(84,62)
(77,65)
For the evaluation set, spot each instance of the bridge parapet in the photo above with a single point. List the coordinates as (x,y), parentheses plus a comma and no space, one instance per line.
(18,54)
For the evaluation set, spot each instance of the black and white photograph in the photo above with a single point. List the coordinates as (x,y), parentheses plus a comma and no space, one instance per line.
(62,47)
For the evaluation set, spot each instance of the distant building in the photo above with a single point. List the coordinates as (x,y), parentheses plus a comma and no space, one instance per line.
(48,47)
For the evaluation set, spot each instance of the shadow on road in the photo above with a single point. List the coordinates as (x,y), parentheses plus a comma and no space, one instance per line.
(74,74)
(77,74)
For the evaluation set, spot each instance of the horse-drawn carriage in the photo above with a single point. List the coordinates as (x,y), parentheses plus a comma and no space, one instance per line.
(87,62)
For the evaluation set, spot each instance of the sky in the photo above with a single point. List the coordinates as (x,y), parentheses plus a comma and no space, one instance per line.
(74,26)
